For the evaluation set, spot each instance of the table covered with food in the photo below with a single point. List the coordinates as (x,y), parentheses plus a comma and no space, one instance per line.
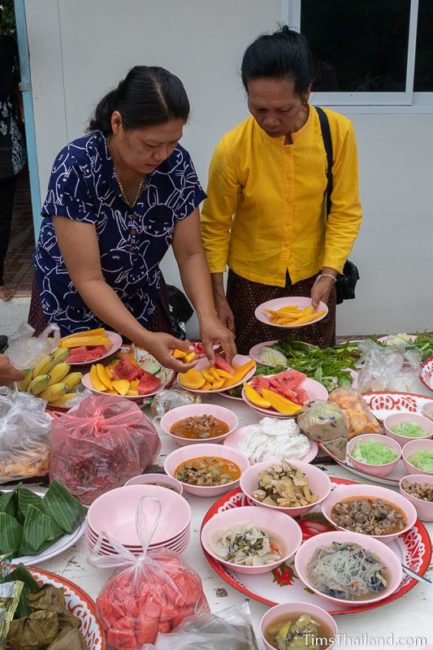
(280,500)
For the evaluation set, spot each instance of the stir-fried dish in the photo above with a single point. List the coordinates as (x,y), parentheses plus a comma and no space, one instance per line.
(247,545)
(422,491)
(297,632)
(346,571)
(368,515)
(282,484)
(199,426)
(207,470)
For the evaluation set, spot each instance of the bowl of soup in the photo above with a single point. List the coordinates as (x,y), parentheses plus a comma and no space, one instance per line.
(404,427)
(373,569)
(418,457)
(298,620)
(207,470)
(199,423)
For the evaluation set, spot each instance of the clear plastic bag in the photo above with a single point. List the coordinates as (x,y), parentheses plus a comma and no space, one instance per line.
(24,436)
(100,444)
(171,398)
(152,593)
(25,350)
(390,367)
(325,422)
(359,418)
(229,628)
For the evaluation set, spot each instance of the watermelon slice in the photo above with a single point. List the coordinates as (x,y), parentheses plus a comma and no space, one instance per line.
(199,350)
(125,369)
(84,354)
(222,364)
(148,383)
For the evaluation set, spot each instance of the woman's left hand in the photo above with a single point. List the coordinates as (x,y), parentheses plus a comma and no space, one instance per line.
(321,290)
(212,332)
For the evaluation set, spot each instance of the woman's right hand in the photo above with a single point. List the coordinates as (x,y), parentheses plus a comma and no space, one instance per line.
(224,312)
(161,345)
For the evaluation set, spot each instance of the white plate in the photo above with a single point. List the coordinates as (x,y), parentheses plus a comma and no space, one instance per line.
(301,302)
(387,403)
(58,547)
(234,439)
(238,359)
(116,343)
(314,389)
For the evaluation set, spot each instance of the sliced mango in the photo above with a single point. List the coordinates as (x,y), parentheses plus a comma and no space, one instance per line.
(218,383)
(208,376)
(192,379)
(190,356)
(240,372)
(255,398)
(132,392)
(280,403)
(103,376)
(96,382)
(121,386)
(178,354)
(98,331)
(78,341)
(207,386)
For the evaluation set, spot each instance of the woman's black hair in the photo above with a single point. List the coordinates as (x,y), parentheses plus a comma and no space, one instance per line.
(285,54)
(147,96)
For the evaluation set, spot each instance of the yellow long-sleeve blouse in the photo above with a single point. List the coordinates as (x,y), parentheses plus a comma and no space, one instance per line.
(265,210)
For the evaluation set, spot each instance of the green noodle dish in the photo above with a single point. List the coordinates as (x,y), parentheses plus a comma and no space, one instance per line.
(410,430)
(373,452)
(423,460)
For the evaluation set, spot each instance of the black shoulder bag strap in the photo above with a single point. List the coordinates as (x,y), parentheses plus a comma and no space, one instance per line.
(327,142)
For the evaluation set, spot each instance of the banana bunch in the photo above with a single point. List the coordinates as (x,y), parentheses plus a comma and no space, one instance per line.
(51,379)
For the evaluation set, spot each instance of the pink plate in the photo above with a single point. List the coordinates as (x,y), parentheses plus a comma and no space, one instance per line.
(116,343)
(390,402)
(87,382)
(235,438)
(276,304)
(238,359)
(79,604)
(426,373)
(283,585)
(314,389)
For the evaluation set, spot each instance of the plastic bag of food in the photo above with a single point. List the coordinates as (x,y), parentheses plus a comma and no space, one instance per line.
(388,367)
(359,418)
(230,629)
(25,350)
(101,444)
(325,422)
(24,436)
(152,593)
(171,398)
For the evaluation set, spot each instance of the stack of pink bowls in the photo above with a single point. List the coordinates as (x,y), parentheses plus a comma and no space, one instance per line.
(114,515)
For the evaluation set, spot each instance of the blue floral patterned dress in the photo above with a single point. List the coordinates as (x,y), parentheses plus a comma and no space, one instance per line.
(132,241)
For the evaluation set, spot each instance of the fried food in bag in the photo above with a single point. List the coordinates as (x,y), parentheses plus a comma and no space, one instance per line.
(359,418)
(325,422)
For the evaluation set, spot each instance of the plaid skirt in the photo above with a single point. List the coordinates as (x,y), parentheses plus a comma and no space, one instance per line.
(159,322)
(244,296)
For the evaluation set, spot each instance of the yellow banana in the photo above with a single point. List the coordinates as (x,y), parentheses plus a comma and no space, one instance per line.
(72,379)
(54,392)
(25,383)
(39,384)
(49,361)
(59,371)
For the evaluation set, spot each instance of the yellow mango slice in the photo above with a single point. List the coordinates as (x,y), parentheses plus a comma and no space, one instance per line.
(96,382)
(190,356)
(208,376)
(192,379)
(218,383)
(178,354)
(78,341)
(255,398)
(121,386)
(132,392)
(280,403)
(308,318)
(240,372)
(103,376)
(207,386)
(98,331)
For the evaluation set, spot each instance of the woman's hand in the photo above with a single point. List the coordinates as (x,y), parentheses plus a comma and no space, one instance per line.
(161,346)
(212,331)
(224,312)
(321,290)
(8,373)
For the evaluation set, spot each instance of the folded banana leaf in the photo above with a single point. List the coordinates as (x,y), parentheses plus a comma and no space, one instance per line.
(34,632)
(48,597)
(39,531)
(31,585)
(25,498)
(69,639)
(8,503)
(11,533)
(59,504)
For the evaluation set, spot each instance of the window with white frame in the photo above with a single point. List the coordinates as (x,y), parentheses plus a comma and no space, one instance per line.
(368,52)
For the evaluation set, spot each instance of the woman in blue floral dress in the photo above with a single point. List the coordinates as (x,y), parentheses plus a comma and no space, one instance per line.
(117,198)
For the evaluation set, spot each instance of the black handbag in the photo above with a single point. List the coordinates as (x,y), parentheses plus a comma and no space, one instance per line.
(346,281)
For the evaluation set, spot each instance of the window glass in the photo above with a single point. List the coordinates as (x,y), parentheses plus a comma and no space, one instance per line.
(424,48)
(359,45)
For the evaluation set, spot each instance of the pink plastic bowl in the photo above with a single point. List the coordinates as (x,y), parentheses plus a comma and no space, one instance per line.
(411,448)
(379,549)
(189,452)
(163,480)
(191,410)
(374,470)
(278,612)
(398,418)
(423,508)
(375,491)
(427,410)
(319,483)
(114,513)
(282,529)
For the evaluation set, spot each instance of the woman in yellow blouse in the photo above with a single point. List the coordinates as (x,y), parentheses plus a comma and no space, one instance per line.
(265,215)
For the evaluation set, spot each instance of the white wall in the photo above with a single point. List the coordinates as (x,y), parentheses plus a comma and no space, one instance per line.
(81,48)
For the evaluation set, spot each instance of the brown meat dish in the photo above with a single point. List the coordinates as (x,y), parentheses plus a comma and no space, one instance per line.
(422,491)
(199,426)
(370,516)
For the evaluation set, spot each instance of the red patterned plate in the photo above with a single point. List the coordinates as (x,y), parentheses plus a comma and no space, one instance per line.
(282,585)
(426,373)
(387,403)
(78,603)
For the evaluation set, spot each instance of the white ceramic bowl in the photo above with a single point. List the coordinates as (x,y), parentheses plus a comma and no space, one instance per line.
(194,410)
(400,418)
(374,546)
(376,492)
(319,482)
(278,612)
(367,468)
(189,452)
(423,508)
(282,529)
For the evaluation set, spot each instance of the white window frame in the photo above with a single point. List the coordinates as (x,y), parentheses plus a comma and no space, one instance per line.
(406,101)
